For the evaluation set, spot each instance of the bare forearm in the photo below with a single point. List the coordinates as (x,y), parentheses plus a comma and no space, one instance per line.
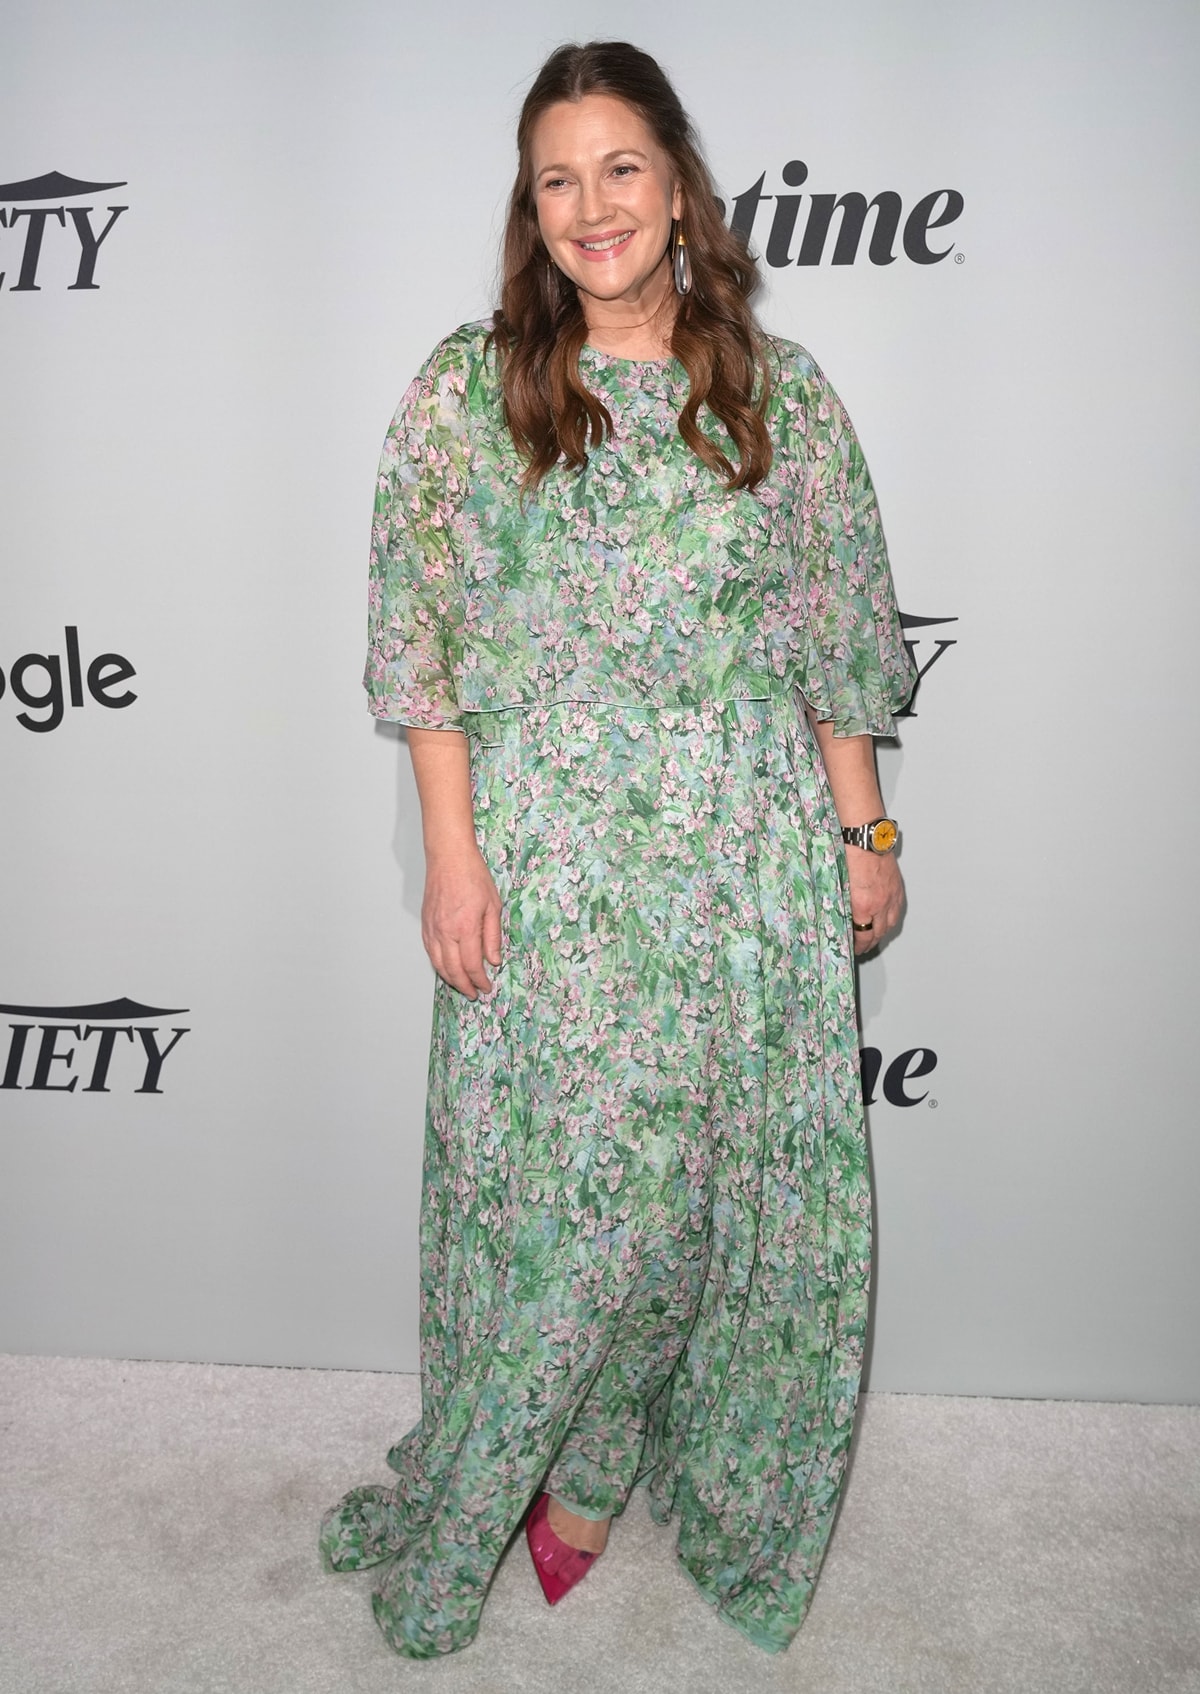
(460,913)
(876,886)
(443,775)
(850,766)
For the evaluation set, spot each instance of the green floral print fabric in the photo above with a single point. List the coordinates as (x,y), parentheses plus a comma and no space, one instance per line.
(645,1231)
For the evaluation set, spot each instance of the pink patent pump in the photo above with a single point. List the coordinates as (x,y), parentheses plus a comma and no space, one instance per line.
(558,1566)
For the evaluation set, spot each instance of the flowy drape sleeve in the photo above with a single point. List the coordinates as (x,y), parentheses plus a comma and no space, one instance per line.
(415,598)
(855,670)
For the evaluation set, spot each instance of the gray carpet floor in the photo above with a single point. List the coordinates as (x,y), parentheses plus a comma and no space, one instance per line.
(157,1537)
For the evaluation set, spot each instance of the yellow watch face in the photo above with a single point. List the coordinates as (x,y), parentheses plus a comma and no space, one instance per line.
(883,837)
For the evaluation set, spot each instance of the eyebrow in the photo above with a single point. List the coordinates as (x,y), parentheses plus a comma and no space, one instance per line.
(617,153)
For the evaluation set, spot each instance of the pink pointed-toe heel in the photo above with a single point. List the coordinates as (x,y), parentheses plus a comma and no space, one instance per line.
(558,1566)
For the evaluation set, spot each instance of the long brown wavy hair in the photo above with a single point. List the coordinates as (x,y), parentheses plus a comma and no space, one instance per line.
(540,327)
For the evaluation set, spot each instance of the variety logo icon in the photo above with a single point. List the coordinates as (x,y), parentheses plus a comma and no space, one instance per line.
(105,673)
(890,223)
(28,225)
(45,1064)
(909,620)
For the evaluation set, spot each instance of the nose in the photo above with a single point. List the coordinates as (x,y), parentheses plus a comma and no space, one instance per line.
(595,204)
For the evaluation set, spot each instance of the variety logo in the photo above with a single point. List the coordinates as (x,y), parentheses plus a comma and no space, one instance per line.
(905,1069)
(47,694)
(60,1046)
(940,643)
(796,240)
(26,226)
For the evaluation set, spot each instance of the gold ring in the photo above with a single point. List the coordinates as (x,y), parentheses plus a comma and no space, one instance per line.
(862,926)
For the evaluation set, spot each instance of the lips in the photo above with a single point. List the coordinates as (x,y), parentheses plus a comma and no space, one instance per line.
(609,245)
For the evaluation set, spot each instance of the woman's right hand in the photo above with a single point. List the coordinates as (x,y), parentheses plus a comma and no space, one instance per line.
(460,920)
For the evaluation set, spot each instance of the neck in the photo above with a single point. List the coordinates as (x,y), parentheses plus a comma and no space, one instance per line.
(634,329)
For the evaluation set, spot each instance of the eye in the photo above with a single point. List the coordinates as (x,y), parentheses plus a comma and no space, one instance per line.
(624,170)
(554,182)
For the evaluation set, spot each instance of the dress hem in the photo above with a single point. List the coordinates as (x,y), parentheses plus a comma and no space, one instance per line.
(755,1638)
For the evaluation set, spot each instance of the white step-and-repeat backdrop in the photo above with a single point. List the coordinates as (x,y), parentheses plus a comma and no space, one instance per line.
(228,235)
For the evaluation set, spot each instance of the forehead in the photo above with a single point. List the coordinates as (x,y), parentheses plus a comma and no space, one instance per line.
(590,128)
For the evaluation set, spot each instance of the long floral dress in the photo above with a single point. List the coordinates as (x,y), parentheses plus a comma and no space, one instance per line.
(645,1233)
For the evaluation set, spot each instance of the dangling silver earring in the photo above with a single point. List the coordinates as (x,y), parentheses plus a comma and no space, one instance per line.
(681,264)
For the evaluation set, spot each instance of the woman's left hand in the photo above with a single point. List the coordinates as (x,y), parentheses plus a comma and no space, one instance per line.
(876,896)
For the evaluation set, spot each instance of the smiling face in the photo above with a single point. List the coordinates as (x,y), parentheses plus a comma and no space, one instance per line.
(605,200)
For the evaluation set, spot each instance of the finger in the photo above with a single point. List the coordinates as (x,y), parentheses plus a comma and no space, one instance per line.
(866,932)
(887,920)
(491,934)
(470,954)
(448,964)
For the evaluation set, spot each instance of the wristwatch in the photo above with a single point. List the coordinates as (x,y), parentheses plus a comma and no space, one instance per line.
(878,837)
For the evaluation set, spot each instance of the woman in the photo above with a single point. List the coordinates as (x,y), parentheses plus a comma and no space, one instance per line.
(621,535)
